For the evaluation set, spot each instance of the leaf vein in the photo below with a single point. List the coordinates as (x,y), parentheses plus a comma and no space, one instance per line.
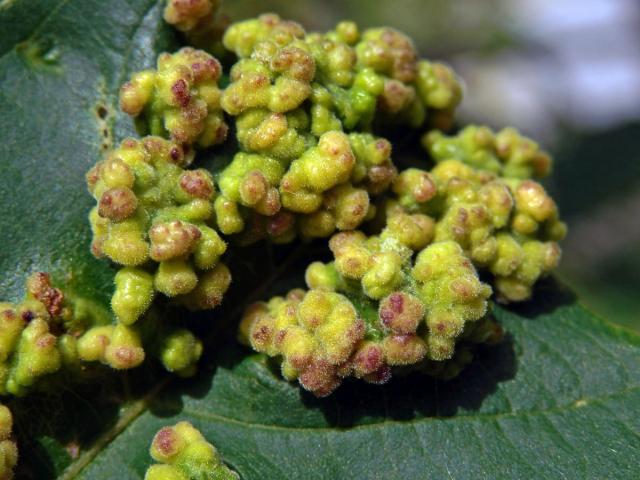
(462,418)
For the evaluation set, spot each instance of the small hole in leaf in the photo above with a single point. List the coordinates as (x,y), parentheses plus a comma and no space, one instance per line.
(102,111)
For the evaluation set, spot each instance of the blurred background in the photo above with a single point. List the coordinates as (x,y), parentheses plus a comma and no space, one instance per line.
(566,73)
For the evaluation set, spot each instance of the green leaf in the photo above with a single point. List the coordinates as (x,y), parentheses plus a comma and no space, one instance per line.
(558,399)
(61,65)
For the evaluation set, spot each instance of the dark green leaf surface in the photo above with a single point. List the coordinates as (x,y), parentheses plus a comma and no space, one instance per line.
(61,65)
(559,399)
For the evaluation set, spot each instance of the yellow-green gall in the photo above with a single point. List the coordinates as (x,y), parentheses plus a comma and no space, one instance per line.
(172,240)
(506,153)
(317,224)
(252,181)
(374,168)
(348,205)
(413,90)
(474,145)
(351,81)
(38,335)
(168,237)
(335,59)
(497,197)
(228,217)
(323,117)
(180,351)
(378,264)
(8,447)
(473,212)
(92,345)
(277,135)
(183,453)
(389,52)
(333,322)
(449,286)
(261,196)
(536,259)
(36,355)
(320,276)
(242,37)
(452,169)
(469,224)
(208,248)
(345,31)
(125,349)
(185,15)
(536,214)
(406,313)
(522,157)
(118,346)
(133,294)
(277,78)
(414,231)
(383,275)
(208,293)
(122,242)
(343,208)
(313,332)
(438,86)
(403,349)
(442,287)
(414,187)
(314,336)
(180,99)
(489,216)
(352,257)
(401,313)
(175,277)
(319,169)
(11,326)
(334,107)
(509,255)
(28,348)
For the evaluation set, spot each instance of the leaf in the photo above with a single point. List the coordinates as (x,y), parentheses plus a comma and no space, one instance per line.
(558,399)
(61,65)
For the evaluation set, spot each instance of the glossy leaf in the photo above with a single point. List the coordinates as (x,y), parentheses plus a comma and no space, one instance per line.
(558,399)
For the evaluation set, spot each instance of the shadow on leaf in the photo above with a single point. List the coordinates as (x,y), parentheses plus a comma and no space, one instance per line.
(415,395)
(250,389)
(548,296)
(58,424)
(52,428)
